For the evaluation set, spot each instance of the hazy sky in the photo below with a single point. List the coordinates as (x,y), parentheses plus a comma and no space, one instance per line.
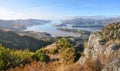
(52,9)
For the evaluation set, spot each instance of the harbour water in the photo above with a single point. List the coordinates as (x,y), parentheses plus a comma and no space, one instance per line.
(51,29)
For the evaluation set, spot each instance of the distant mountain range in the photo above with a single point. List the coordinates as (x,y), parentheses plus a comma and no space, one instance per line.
(83,21)
(21,24)
(89,21)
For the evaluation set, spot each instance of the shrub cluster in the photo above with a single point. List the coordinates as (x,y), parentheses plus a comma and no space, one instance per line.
(54,51)
(63,43)
(39,56)
(12,58)
(67,51)
(111,31)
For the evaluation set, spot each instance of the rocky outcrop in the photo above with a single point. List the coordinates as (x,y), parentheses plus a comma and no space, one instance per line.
(113,66)
(93,48)
(106,54)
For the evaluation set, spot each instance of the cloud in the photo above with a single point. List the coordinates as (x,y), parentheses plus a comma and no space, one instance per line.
(8,14)
(41,12)
(46,12)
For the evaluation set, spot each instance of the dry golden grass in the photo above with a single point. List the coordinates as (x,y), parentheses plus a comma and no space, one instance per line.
(38,66)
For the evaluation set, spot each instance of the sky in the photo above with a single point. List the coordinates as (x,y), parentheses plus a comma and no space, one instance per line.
(57,9)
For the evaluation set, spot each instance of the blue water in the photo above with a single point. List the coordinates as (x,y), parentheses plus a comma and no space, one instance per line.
(49,28)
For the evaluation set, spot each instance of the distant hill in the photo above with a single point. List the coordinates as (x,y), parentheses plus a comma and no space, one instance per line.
(21,24)
(89,22)
(12,40)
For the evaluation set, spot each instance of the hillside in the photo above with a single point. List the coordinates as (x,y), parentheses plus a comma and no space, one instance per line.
(12,40)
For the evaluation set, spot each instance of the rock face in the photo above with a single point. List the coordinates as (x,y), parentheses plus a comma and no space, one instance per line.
(93,48)
(106,54)
(113,66)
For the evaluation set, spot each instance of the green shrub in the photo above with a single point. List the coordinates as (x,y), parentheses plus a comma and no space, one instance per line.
(44,58)
(2,65)
(67,51)
(12,58)
(63,43)
(20,57)
(54,51)
(41,56)
(4,57)
(68,55)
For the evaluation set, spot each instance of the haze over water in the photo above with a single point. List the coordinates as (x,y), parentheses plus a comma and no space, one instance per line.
(51,29)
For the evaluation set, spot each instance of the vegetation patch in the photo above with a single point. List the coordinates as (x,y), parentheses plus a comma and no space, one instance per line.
(111,32)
